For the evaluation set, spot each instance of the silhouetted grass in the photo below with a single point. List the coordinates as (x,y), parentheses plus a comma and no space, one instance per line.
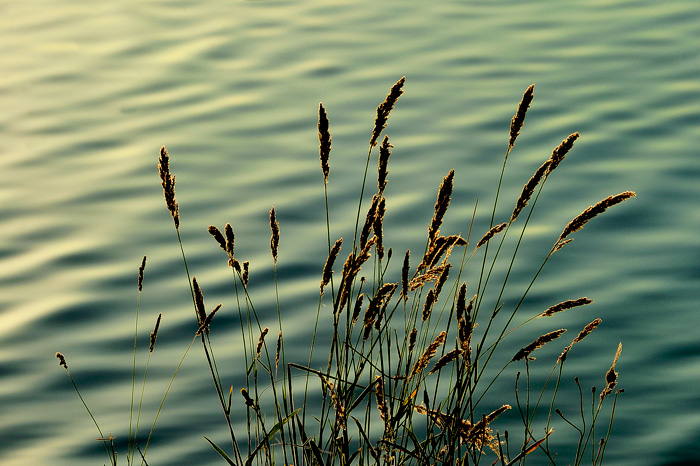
(409,366)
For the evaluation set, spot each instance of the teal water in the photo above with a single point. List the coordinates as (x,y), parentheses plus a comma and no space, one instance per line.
(90,91)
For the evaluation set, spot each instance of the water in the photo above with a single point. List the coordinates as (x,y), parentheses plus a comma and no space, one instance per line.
(89,92)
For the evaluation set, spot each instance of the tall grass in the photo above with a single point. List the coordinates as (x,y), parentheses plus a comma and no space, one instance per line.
(415,362)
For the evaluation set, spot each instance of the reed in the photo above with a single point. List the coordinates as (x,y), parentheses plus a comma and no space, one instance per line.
(373,401)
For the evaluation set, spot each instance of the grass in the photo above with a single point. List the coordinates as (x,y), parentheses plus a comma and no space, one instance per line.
(413,358)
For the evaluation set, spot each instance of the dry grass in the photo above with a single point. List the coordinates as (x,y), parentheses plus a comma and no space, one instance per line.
(374,402)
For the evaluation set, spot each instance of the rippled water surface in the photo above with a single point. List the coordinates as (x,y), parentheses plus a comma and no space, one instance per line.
(90,91)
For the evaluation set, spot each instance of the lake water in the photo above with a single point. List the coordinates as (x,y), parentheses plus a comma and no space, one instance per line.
(89,91)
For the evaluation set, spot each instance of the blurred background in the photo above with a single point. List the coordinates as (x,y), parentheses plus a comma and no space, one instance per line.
(89,91)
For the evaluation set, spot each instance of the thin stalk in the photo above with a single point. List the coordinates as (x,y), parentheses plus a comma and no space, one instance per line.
(607,435)
(112,454)
(280,416)
(554,395)
(477,305)
(359,204)
(165,395)
(138,412)
(130,449)
(206,344)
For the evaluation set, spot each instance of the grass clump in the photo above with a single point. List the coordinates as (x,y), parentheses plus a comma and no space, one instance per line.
(413,358)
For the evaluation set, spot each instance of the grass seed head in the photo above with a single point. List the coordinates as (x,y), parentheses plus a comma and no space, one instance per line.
(275,236)
(357,308)
(442,246)
(539,343)
(277,350)
(529,189)
(168,182)
(62,360)
(369,220)
(412,340)
(216,234)
(445,360)
(376,305)
(378,227)
(564,305)
(442,279)
(561,244)
(587,330)
(560,151)
(328,266)
(141,269)
(207,321)
(261,340)
(199,302)
(384,109)
(441,205)
(246,273)
(404,275)
(611,376)
(430,275)
(154,333)
(324,139)
(593,211)
(582,334)
(381,400)
(230,238)
(490,234)
(428,306)
(461,300)
(382,168)
(516,124)
(428,354)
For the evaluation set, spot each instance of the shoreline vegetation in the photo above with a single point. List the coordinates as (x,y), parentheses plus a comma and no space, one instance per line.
(413,354)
